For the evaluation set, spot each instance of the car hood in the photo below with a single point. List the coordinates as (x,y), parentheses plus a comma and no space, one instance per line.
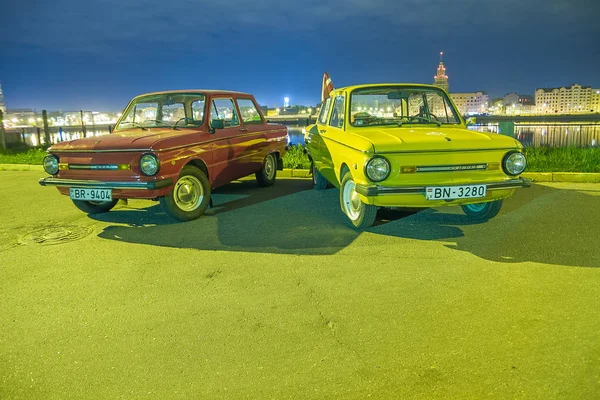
(131,139)
(433,138)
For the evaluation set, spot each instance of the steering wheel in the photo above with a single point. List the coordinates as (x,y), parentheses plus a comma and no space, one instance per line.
(185,119)
(362,118)
(421,118)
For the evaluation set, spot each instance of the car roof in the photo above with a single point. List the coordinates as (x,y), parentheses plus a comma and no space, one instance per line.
(203,91)
(363,85)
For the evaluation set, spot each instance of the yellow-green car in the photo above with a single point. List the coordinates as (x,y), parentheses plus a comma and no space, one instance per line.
(405,145)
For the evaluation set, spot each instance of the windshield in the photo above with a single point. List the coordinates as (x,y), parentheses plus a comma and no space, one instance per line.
(178,110)
(398,105)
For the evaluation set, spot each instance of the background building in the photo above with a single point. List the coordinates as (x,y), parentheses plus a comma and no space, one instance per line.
(441,79)
(595,101)
(471,103)
(572,99)
(518,104)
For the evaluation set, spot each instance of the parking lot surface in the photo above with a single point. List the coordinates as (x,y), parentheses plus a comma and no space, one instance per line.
(272,296)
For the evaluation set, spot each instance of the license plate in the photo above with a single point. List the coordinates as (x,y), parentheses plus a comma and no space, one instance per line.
(455,192)
(90,194)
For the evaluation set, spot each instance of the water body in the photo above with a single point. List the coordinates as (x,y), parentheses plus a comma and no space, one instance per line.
(535,135)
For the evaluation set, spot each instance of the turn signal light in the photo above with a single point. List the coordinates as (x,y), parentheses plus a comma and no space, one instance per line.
(493,166)
(408,170)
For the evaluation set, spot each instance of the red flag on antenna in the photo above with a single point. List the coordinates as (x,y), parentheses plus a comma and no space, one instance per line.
(327,87)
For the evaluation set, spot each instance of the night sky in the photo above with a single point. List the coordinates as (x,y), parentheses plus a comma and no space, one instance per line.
(73,55)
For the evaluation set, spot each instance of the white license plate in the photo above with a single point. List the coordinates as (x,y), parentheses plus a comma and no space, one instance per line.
(90,194)
(455,192)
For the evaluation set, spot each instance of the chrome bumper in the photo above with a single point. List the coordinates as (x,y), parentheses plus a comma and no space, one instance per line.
(150,185)
(376,190)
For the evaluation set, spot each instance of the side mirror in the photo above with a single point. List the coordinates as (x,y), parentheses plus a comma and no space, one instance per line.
(216,124)
(471,121)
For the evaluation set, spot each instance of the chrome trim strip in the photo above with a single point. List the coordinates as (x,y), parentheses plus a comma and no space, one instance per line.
(443,151)
(455,167)
(104,167)
(79,183)
(53,151)
(376,190)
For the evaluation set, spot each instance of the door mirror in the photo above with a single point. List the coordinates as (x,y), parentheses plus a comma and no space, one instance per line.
(471,121)
(216,124)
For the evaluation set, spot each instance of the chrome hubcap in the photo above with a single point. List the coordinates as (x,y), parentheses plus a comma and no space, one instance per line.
(270,167)
(188,193)
(351,201)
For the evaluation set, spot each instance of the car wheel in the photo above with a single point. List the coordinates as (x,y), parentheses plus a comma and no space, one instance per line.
(268,172)
(482,211)
(190,196)
(95,207)
(361,215)
(319,181)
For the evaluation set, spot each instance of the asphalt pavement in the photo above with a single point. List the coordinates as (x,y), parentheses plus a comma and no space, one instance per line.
(272,296)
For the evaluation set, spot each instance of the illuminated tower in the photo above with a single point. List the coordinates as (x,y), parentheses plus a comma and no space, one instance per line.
(2,105)
(441,79)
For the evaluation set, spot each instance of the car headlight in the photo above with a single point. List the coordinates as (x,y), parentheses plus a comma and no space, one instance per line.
(149,164)
(514,163)
(50,164)
(377,169)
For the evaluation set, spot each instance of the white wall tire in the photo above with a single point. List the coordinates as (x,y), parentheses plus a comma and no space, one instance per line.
(359,214)
(267,174)
(190,196)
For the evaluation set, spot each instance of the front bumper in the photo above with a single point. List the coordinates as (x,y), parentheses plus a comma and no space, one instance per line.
(377,190)
(80,183)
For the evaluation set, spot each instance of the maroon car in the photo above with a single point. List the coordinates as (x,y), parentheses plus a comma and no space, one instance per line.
(171,146)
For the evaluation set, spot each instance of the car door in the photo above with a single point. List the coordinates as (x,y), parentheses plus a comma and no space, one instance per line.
(314,140)
(226,143)
(254,138)
(335,126)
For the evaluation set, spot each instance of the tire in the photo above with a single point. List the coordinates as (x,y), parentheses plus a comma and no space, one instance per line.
(319,181)
(190,195)
(360,215)
(482,211)
(267,174)
(95,207)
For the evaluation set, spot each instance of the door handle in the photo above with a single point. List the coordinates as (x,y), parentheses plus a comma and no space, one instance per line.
(323,131)
(243,130)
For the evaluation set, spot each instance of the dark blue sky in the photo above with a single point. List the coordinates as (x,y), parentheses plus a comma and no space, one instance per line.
(73,55)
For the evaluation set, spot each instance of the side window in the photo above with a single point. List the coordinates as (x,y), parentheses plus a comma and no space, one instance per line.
(324,111)
(337,114)
(198,110)
(224,109)
(248,111)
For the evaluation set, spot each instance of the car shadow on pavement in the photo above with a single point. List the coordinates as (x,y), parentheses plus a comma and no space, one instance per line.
(290,218)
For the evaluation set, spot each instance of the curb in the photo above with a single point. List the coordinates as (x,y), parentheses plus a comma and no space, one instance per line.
(578,177)
(294,173)
(21,167)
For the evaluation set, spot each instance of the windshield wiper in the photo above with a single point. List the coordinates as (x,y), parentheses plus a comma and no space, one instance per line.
(427,120)
(136,124)
(163,122)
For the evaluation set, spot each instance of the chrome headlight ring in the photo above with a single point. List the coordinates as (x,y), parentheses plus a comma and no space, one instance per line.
(377,168)
(514,163)
(50,164)
(149,164)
